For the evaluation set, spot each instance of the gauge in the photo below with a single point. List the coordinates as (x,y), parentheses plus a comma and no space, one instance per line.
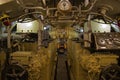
(64,5)
(116,41)
(101,42)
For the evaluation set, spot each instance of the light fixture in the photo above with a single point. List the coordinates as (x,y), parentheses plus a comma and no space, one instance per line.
(45,28)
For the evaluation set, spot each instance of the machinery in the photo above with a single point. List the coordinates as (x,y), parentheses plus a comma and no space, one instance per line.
(28,56)
(97,56)
(97,62)
(91,41)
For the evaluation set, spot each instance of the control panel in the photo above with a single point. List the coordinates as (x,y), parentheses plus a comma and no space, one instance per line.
(109,41)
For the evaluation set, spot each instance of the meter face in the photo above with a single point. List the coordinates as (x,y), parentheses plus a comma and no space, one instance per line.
(107,41)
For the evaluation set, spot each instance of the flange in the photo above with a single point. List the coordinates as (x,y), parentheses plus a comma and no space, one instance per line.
(104,8)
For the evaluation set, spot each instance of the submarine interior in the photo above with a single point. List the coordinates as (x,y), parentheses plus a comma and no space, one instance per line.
(59,39)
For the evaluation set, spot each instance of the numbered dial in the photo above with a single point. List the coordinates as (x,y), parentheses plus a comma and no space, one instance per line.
(64,5)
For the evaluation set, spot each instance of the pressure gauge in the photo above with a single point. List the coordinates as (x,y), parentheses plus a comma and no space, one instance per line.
(64,5)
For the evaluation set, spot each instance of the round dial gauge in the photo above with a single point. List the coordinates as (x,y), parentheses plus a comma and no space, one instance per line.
(64,5)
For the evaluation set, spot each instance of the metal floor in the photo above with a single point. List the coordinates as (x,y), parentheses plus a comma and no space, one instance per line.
(62,70)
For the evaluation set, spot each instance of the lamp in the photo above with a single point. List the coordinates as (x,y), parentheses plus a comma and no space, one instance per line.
(5,19)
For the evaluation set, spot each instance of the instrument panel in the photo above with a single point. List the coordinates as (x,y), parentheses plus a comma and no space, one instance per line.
(106,41)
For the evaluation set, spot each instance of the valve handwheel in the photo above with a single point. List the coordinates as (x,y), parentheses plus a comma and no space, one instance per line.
(111,72)
(16,72)
(101,42)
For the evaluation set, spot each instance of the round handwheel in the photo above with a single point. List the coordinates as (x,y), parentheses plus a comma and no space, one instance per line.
(111,72)
(101,42)
(16,72)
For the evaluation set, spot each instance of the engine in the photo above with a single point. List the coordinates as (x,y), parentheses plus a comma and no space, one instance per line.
(96,57)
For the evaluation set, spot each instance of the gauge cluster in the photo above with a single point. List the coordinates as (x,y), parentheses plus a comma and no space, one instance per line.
(107,41)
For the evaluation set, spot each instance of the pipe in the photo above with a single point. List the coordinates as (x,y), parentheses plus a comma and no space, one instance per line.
(37,7)
(89,9)
(23,6)
(20,3)
(94,13)
(28,14)
(44,2)
(61,21)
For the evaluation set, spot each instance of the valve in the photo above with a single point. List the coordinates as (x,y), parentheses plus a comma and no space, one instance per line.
(15,72)
(111,72)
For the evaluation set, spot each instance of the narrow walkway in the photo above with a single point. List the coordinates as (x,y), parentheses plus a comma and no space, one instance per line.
(61,71)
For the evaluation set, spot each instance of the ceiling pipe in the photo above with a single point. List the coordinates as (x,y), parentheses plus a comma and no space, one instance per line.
(41,8)
(30,13)
(25,7)
(36,7)
(99,14)
(90,8)
(44,2)
(20,3)
(103,9)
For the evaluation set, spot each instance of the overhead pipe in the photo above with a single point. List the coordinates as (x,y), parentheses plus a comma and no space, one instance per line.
(90,8)
(79,10)
(44,2)
(56,13)
(103,13)
(23,6)
(20,3)
(36,7)
(28,14)
(75,7)
(107,17)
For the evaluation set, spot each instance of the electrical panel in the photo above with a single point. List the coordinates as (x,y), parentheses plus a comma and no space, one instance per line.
(108,41)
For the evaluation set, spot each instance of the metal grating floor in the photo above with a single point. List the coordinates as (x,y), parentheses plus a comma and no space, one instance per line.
(62,71)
